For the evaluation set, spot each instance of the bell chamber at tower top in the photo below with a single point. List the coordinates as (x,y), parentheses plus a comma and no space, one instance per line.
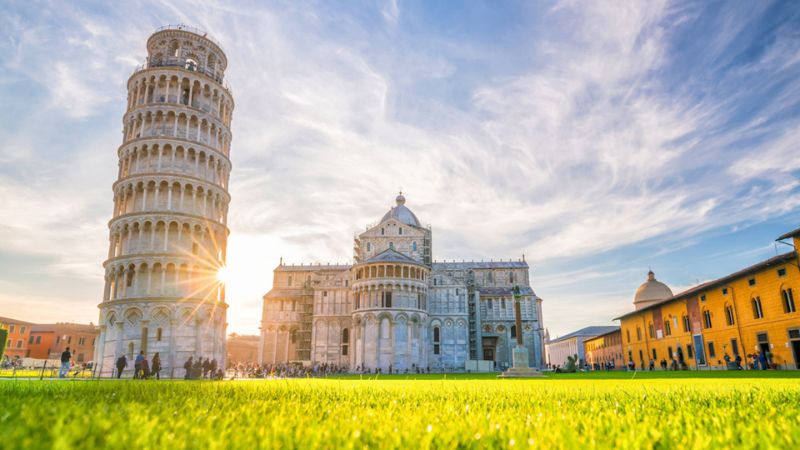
(188,48)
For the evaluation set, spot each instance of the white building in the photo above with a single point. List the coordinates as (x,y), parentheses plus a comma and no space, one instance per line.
(559,349)
(168,231)
(396,309)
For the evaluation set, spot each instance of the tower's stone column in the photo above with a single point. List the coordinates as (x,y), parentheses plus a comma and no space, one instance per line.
(168,230)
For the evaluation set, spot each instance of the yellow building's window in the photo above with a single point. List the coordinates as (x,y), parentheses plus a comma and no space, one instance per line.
(729,317)
(707,319)
(788,301)
(758,312)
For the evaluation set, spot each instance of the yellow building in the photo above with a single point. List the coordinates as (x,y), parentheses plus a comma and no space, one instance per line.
(605,351)
(747,313)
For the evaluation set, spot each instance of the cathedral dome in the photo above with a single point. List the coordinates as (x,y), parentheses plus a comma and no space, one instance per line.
(650,292)
(401,213)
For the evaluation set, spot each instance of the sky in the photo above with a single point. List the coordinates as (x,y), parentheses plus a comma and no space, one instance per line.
(598,139)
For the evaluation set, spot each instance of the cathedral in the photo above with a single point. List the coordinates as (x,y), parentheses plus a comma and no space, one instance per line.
(395,309)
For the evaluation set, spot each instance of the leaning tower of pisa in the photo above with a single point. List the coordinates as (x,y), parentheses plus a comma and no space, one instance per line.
(168,231)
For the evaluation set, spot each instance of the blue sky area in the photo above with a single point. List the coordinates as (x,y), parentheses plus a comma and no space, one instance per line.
(599,139)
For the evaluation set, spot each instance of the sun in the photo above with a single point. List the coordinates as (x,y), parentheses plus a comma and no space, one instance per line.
(223,275)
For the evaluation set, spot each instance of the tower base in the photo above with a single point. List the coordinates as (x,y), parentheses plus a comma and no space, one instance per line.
(519,368)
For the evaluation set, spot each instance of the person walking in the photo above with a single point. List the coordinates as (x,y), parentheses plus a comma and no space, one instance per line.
(187,368)
(145,369)
(197,369)
(156,369)
(206,367)
(122,363)
(137,365)
(66,356)
(213,368)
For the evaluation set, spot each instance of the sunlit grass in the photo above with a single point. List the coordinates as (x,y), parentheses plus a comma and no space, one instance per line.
(399,413)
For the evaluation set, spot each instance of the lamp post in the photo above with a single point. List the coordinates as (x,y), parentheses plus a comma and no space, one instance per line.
(519,367)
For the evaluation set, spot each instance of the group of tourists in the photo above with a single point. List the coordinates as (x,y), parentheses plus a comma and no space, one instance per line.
(142,368)
(286,370)
(199,369)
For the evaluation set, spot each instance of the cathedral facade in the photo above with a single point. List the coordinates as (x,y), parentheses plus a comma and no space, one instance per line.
(397,310)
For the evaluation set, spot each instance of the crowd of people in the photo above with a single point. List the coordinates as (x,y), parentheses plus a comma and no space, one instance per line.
(284,370)
(317,370)
(199,369)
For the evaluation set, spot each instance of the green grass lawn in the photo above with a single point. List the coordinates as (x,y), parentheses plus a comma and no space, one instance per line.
(471,411)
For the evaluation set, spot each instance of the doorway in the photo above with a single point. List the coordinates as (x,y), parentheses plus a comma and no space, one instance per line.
(489,348)
(794,341)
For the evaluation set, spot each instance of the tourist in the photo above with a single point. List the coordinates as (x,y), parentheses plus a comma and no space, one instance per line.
(206,367)
(762,359)
(156,369)
(738,362)
(652,364)
(197,368)
(213,367)
(65,358)
(145,369)
(137,365)
(187,367)
(122,363)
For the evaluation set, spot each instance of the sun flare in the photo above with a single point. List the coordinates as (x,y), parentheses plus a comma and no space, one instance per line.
(223,274)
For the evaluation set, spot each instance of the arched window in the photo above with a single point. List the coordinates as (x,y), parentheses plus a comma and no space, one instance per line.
(667,327)
(369,247)
(686,325)
(729,317)
(651,330)
(513,331)
(414,246)
(788,301)
(383,232)
(158,334)
(510,277)
(345,341)
(400,231)
(436,340)
(130,350)
(758,312)
(707,319)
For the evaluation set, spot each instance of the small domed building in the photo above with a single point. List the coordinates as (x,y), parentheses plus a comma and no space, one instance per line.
(396,310)
(651,292)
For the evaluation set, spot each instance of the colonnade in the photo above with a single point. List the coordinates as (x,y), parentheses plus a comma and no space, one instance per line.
(179,124)
(155,235)
(159,86)
(171,194)
(164,158)
(166,277)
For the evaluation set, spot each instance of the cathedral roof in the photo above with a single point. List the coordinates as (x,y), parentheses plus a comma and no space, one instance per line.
(651,291)
(504,291)
(480,265)
(391,255)
(401,213)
